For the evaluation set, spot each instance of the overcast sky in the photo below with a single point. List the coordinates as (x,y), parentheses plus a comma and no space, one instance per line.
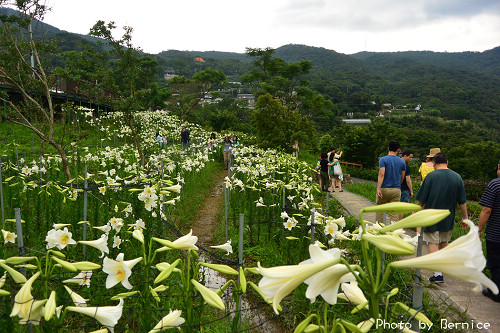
(346,26)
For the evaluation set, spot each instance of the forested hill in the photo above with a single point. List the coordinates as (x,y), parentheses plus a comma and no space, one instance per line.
(464,85)
(487,62)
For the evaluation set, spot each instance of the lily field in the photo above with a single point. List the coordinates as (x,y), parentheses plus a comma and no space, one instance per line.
(111,249)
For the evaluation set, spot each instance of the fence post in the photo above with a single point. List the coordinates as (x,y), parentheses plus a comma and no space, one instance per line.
(193,167)
(85,203)
(1,195)
(327,203)
(19,231)
(225,208)
(240,260)
(17,159)
(418,289)
(384,219)
(182,175)
(312,226)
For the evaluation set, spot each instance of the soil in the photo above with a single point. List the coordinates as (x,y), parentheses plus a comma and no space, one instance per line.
(203,227)
(206,221)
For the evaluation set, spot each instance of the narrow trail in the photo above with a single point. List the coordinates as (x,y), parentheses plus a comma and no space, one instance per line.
(203,227)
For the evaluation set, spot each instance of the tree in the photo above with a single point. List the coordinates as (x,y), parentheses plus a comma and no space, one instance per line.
(278,127)
(24,67)
(121,77)
(276,77)
(189,92)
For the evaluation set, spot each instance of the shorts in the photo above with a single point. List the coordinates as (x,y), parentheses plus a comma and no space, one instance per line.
(405,196)
(437,237)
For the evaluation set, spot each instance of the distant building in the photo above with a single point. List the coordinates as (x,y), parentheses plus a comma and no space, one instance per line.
(199,59)
(247,97)
(357,121)
(169,74)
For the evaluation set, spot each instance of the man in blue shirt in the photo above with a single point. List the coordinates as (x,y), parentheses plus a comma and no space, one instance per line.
(490,217)
(391,174)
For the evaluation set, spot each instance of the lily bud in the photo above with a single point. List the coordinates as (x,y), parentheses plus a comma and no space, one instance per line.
(390,244)
(392,208)
(423,218)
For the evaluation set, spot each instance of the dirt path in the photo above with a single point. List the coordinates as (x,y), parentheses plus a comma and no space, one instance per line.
(206,221)
(204,226)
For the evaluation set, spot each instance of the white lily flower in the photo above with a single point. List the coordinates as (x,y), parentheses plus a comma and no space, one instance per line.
(104,228)
(326,283)
(59,238)
(173,319)
(9,237)
(462,259)
(288,224)
(284,215)
(116,223)
(23,301)
(331,229)
(77,299)
(138,225)
(277,282)
(101,244)
(185,242)
(352,293)
(412,240)
(226,247)
(119,270)
(106,315)
(175,188)
(83,278)
(102,190)
(116,241)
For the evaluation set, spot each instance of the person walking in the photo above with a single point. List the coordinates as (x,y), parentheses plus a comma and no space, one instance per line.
(324,172)
(318,170)
(391,173)
(228,147)
(185,137)
(406,186)
(442,189)
(428,166)
(212,141)
(489,218)
(336,171)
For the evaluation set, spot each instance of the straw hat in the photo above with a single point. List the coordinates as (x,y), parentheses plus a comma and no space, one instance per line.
(433,152)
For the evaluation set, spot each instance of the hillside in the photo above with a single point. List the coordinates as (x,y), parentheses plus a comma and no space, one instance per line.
(464,85)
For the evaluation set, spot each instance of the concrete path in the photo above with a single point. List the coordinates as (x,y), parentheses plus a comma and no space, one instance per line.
(478,309)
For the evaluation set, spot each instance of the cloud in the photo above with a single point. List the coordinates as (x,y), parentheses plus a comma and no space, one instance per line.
(378,15)
(460,8)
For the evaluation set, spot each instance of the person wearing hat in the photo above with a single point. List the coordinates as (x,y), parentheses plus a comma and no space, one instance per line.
(184,136)
(428,166)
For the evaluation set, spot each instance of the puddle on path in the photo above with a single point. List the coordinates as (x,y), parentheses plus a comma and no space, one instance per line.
(203,227)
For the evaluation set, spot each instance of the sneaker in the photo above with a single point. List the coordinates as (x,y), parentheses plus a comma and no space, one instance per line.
(436,279)
(488,293)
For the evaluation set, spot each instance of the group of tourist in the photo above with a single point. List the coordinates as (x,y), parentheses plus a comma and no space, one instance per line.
(230,146)
(329,171)
(442,188)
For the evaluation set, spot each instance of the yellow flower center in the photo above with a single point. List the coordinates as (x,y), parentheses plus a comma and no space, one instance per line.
(64,239)
(120,274)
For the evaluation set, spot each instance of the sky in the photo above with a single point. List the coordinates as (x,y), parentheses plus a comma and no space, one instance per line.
(345,26)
